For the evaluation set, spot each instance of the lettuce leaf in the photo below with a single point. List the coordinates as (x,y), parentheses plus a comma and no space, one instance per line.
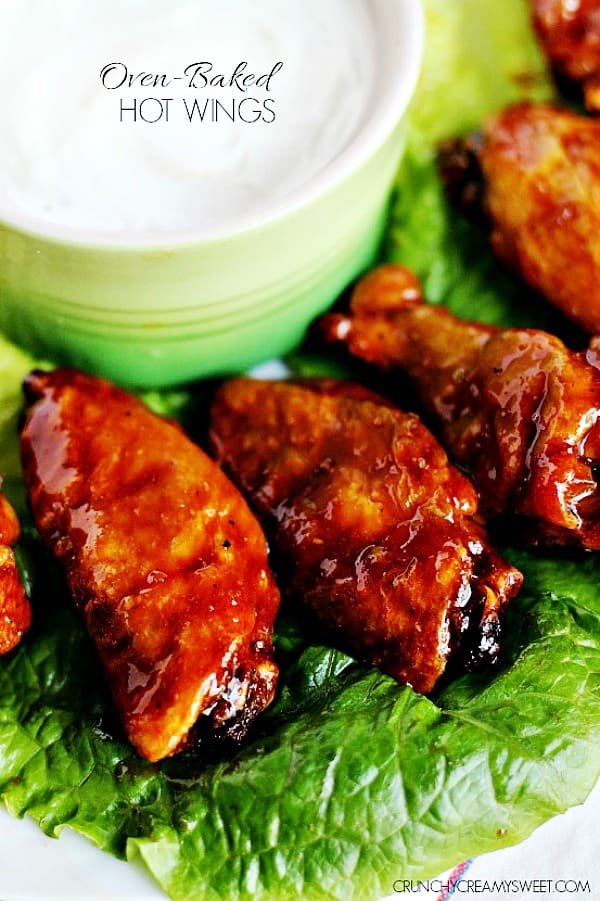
(352,782)
(479,56)
(14,366)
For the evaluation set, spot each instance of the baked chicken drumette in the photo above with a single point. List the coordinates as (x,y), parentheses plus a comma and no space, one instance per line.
(514,407)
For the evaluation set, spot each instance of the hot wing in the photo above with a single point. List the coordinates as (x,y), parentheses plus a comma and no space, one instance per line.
(163,558)
(570,34)
(15,612)
(536,171)
(515,408)
(372,528)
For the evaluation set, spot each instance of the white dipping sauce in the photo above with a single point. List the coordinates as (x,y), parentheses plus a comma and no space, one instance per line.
(67,159)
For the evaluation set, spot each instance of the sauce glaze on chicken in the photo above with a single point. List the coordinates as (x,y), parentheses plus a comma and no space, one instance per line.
(15,612)
(372,529)
(535,172)
(569,31)
(514,407)
(164,560)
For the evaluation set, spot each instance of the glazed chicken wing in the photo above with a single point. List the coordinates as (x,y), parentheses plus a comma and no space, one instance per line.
(515,408)
(164,561)
(15,612)
(570,34)
(536,170)
(372,528)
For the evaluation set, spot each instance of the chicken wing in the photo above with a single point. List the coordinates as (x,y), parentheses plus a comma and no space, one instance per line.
(515,408)
(164,561)
(15,612)
(570,34)
(372,528)
(540,171)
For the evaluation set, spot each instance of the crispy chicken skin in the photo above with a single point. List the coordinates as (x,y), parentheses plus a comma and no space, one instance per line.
(539,182)
(570,34)
(15,612)
(515,408)
(370,526)
(163,558)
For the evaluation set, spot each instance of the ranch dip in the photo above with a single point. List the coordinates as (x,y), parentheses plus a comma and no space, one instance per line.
(141,117)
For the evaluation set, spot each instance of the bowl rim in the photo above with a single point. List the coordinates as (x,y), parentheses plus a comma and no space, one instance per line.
(389,109)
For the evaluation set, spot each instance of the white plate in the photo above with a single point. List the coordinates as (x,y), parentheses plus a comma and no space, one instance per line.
(34,867)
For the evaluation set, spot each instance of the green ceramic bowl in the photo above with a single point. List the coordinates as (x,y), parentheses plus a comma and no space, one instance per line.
(155,315)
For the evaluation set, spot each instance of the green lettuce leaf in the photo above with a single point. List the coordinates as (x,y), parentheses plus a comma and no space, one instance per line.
(352,782)
(479,56)
(14,366)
